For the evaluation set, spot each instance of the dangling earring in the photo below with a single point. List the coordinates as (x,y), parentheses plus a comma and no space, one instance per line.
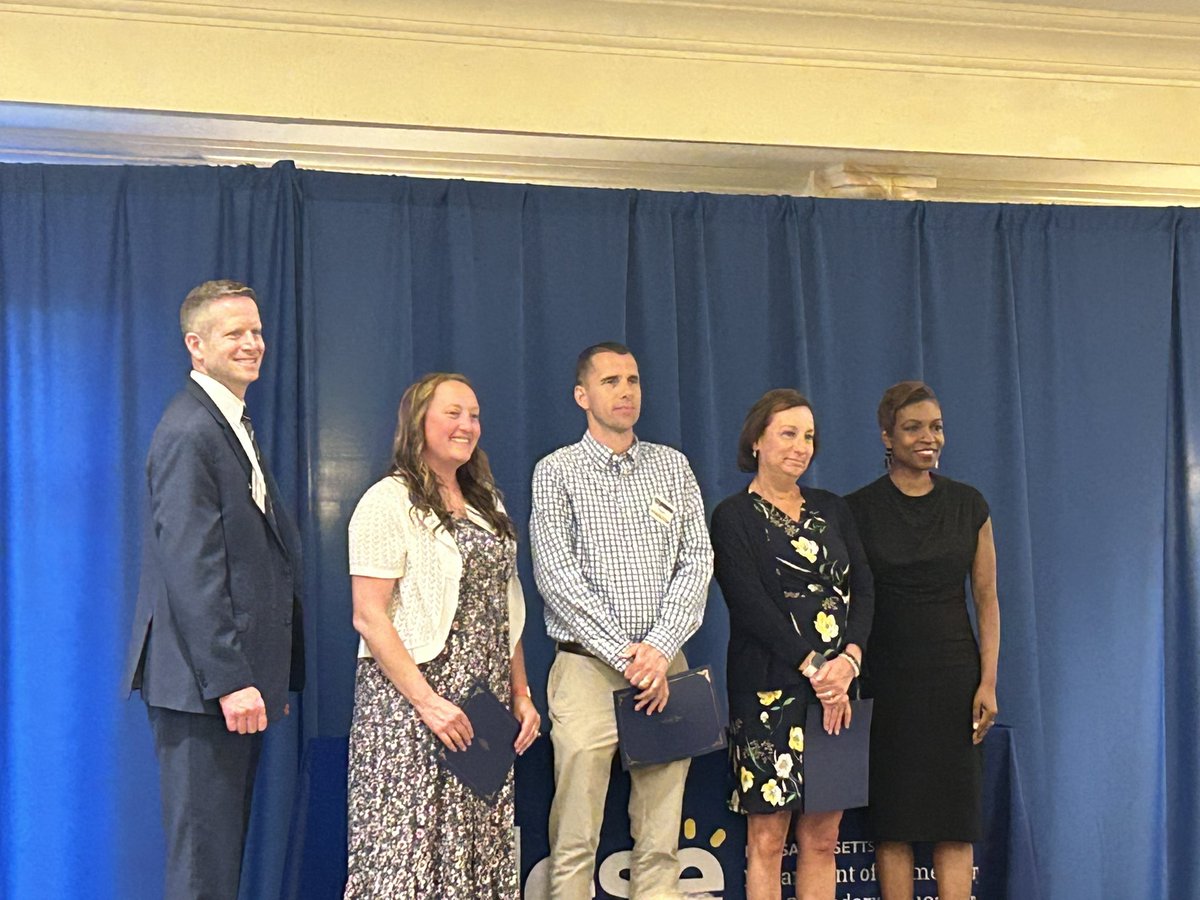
(755,452)
(937,460)
(887,458)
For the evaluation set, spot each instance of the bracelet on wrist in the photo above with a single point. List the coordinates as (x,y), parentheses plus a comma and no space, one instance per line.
(854,664)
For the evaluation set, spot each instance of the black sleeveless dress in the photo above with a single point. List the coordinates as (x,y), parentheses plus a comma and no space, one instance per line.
(922,660)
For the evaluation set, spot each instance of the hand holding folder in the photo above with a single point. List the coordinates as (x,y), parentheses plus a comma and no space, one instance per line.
(484,765)
(836,766)
(691,725)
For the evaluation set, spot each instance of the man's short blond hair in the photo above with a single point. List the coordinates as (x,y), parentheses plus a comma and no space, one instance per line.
(204,295)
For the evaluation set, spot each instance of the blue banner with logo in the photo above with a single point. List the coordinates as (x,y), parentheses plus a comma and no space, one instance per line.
(712,840)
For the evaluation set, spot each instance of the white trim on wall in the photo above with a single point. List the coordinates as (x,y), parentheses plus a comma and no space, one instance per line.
(53,134)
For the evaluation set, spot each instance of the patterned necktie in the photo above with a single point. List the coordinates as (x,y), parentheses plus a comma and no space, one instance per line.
(248,425)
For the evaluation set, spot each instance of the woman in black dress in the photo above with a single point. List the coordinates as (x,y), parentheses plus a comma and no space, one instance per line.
(934,685)
(796,581)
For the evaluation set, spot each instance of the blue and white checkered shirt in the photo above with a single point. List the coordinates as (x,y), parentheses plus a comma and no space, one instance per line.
(620,547)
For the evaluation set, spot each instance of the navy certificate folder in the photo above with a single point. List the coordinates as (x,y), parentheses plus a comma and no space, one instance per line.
(691,725)
(836,766)
(484,765)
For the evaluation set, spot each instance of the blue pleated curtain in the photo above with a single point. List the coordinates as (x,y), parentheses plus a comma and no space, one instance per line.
(1063,342)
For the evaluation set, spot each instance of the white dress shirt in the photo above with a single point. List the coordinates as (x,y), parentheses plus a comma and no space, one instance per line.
(232,408)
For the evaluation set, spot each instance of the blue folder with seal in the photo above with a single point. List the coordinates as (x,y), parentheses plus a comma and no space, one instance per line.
(691,725)
(837,766)
(484,765)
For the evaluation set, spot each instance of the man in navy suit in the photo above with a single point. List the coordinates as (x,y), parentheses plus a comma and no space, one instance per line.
(217,637)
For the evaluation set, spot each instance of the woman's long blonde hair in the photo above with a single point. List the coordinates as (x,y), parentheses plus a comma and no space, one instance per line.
(408,461)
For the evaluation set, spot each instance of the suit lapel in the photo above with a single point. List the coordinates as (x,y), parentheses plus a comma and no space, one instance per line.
(226,429)
(239,453)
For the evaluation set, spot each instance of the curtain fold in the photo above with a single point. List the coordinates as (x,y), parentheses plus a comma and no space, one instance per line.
(1181,563)
(94,263)
(1064,344)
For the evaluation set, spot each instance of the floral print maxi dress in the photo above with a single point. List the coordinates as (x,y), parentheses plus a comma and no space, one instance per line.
(415,830)
(767,726)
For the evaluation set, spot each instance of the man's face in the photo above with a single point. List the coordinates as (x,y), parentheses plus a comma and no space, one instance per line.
(228,344)
(611,394)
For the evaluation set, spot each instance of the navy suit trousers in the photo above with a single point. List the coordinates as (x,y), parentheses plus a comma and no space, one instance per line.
(206,774)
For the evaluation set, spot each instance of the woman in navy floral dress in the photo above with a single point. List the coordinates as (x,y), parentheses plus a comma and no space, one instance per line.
(799,592)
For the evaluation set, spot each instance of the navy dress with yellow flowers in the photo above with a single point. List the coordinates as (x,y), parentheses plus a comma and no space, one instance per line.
(792,587)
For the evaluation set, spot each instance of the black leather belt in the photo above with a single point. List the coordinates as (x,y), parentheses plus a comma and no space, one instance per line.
(574,647)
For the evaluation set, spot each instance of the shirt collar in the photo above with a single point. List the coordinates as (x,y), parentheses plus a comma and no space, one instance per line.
(603,458)
(227,401)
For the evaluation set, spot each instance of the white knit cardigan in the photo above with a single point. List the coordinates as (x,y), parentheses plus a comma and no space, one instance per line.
(387,542)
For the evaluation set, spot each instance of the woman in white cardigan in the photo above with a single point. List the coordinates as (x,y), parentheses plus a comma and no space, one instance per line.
(438,606)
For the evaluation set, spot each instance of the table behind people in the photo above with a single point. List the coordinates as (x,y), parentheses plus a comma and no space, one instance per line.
(217,635)
(622,559)
(439,607)
(796,580)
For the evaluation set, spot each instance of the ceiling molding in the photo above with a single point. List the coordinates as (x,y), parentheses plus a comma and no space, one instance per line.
(33,133)
(973,38)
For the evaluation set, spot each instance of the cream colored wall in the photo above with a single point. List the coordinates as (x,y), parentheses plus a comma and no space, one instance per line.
(965,79)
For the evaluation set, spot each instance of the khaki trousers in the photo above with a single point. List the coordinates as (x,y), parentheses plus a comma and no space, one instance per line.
(584,734)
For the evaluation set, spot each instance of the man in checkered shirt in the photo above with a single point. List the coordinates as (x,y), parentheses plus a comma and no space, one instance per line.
(622,558)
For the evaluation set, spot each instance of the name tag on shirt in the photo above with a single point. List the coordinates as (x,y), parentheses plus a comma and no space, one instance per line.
(662,510)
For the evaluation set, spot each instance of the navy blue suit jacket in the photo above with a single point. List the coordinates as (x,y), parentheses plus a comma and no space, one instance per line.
(218,604)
